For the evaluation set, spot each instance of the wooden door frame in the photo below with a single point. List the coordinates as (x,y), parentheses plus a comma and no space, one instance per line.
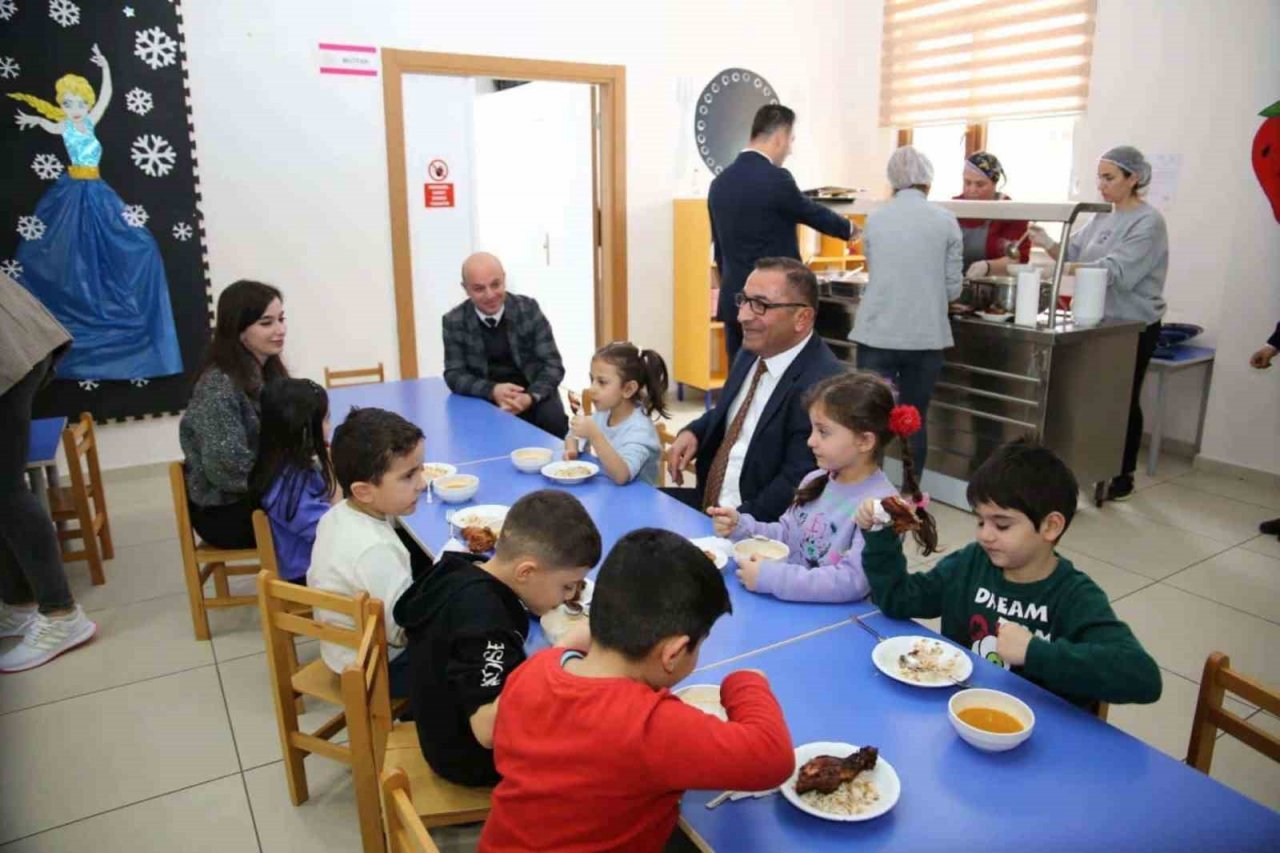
(611,285)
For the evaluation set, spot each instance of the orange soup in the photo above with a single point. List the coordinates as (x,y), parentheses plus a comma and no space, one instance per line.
(991,720)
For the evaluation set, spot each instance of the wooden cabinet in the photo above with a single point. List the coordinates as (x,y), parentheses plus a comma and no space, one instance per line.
(700,359)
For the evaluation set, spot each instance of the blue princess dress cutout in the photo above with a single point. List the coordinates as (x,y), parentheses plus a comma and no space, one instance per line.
(100,276)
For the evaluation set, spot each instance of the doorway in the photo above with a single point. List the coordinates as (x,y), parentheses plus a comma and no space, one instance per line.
(542,247)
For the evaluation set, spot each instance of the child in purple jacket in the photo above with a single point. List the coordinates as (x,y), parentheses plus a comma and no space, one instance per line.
(293,476)
(854,418)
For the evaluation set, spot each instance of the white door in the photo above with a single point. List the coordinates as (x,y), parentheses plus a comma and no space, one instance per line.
(534,205)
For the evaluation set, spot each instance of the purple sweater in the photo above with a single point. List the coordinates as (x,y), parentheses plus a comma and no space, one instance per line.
(825,563)
(295,536)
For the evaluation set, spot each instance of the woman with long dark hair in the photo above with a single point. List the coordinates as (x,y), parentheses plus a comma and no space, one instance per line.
(219,431)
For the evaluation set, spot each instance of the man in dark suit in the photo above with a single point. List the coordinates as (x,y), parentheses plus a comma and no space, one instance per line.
(752,449)
(498,346)
(755,206)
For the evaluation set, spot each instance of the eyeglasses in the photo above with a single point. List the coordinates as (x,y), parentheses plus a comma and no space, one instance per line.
(760,307)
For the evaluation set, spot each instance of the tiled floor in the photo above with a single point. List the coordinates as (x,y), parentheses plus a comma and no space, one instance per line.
(147,740)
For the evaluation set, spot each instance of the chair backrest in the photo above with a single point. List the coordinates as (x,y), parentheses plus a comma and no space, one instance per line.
(266,543)
(181,509)
(284,614)
(80,444)
(665,440)
(1219,679)
(405,830)
(366,703)
(357,376)
(588,401)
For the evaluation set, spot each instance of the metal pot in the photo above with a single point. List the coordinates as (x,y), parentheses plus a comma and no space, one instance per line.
(982,293)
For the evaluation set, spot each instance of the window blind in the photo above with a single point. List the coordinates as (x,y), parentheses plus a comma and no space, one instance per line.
(975,60)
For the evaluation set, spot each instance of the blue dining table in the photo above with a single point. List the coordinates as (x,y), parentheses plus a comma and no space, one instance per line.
(42,456)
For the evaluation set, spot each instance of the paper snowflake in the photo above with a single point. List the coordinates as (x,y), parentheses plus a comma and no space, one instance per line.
(9,67)
(8,9)
(64,12)
(11,268)
(30,227)
(138,101)
(155,48)
(182,231)
(139,383)
(135,215)
(89,384)
(153,155)
(47,167)
(128,11)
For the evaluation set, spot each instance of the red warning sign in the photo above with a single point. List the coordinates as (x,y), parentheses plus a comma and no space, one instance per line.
(439,195)
(438,170)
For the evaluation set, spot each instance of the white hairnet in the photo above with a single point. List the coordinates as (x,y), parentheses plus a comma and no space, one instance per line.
(1131,160)
(909,167)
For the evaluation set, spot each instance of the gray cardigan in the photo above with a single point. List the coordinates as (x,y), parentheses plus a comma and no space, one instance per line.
(219,437)
(28,333)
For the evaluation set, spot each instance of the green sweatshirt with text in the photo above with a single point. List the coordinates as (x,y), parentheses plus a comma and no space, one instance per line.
(1080,650)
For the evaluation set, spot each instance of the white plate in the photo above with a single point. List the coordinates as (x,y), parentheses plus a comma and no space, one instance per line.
(885,657)
(553,471)
(722,548)
(883,776)
(704,697)
(557,622)
(995,318)
(435,470)
(484,515)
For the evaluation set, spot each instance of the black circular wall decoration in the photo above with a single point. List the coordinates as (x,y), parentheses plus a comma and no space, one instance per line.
(722,117)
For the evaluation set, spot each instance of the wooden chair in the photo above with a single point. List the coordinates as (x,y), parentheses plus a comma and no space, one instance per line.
(378,743)
(358,376)
(405,830)
(201,561)
(84,502)
(666,439)
(1217,680)
(588,401)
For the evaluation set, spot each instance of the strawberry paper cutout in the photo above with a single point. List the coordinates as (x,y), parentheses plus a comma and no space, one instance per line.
(1266,156)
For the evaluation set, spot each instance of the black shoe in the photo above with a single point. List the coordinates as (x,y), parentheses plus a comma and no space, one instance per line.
(1271,528)
(1121,488)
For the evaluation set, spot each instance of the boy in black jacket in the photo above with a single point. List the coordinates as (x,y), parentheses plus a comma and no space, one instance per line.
(467,619)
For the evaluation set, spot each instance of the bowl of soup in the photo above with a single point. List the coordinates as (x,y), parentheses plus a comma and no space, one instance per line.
(456,488)
(990,720)
(530,460)
(759,546)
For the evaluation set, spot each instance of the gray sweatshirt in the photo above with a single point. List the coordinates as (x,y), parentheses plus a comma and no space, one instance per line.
(914,256)
(1133,247)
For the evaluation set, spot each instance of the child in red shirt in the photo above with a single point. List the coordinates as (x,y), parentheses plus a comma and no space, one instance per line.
(593,749)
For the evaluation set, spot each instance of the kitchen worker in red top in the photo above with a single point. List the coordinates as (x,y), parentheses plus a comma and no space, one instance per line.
(989,243)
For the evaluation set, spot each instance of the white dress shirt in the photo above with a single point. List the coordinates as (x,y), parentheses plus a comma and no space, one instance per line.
(731,491)
(497,318)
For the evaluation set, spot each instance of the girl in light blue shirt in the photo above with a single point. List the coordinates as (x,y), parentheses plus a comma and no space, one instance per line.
(628,387)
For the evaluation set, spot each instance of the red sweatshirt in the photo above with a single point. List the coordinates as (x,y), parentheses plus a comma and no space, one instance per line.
(594,764)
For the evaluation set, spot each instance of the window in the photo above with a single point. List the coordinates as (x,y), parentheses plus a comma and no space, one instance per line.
(1036,154)
(944,145)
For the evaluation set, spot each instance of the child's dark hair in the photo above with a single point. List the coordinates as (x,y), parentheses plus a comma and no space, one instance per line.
(240,306)
(291,441)
(653,585)
(863,402)
(365,444)
(643,367)
(1024,475)
(551,527)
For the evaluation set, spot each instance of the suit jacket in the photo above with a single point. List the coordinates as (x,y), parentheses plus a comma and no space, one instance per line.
(755,207)
(533,346)
(778,455)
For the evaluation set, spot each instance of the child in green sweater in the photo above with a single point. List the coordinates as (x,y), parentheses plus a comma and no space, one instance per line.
(1009,596)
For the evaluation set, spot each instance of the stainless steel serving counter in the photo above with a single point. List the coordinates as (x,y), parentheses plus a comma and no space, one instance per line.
(1068,385)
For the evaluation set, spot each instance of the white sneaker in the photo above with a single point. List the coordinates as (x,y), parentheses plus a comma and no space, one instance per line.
(14,621)
(46,639)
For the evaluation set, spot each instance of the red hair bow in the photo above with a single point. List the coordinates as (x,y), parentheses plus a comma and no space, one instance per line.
(904,420)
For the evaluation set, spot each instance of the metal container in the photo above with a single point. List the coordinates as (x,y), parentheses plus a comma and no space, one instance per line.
(1001,290)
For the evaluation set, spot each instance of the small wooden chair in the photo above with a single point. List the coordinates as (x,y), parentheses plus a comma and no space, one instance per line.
(665,440)
(84,502)
(588,401)
(284,617)
(378,743)
(358,376)
(201,561)
(1217,680)
(405,830)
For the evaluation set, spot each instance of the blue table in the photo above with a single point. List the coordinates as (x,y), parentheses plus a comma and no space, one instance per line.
(1076,784)
(1182,357)
(42,456)
(458,429)
(757,620)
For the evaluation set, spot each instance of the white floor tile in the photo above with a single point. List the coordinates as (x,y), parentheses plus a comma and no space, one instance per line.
(138,525)
(1260,544)
(327,821)
(1247,770)
(134,642)
(1180,631)
(1115,581)
(1219,518)
(1232,487)
(1238,578)
(1168,467)
(247,685)
(209,818)
(83,756)
(1136,543)
(236,632)
(1166,724)
(137,573)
